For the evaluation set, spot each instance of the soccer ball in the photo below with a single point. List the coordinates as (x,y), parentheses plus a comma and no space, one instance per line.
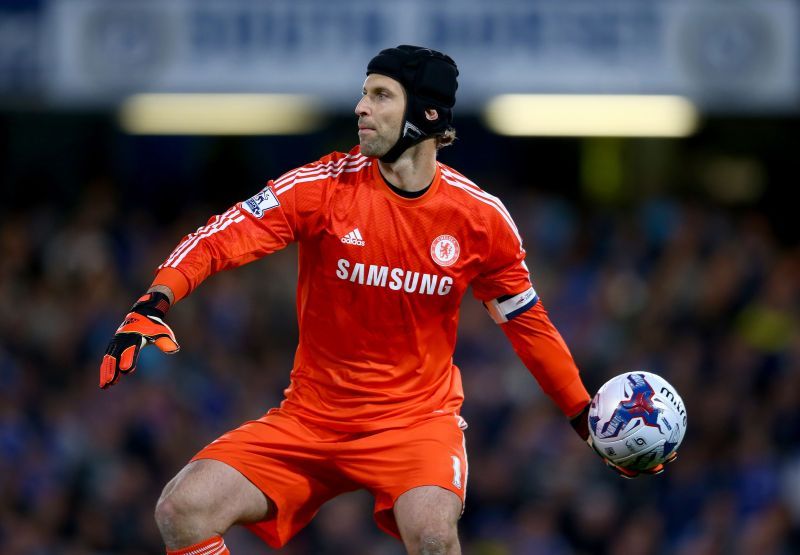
(636,420)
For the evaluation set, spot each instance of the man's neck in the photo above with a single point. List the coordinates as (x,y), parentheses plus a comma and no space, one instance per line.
(414,170)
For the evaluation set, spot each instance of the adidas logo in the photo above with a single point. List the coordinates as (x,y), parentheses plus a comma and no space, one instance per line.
(353,238)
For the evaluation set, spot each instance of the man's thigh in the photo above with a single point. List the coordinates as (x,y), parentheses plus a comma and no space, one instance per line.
(393,462)
(217,491)
(288,463)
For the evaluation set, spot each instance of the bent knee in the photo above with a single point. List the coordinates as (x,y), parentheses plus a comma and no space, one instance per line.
(182,504)
(172,509)
(433,545)
(165,511)
(435,541)
(208,496)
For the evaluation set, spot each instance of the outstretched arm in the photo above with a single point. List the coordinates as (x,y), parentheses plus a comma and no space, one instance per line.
(282,212)
(543,352)
(226,241)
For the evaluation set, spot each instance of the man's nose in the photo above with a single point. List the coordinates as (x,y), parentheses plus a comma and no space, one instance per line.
(362,108)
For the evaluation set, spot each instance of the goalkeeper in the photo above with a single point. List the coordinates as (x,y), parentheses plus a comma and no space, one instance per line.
(390,239)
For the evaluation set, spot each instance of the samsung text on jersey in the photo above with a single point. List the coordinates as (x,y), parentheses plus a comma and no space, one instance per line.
(394,278)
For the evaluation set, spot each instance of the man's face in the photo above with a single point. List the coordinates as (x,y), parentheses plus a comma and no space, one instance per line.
(380,114)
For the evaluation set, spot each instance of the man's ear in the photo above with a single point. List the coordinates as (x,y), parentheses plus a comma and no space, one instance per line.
(431,114)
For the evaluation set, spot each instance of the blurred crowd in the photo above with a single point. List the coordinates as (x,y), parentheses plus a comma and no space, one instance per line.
(706,297)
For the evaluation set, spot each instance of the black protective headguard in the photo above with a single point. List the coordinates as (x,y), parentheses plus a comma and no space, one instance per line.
(429,78)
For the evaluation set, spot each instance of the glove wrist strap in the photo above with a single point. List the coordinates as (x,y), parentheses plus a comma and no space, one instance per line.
(152,304)
(580,423)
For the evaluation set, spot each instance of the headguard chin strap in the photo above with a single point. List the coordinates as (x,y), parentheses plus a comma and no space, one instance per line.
(429,79)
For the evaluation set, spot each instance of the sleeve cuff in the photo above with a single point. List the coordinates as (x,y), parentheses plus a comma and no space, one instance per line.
(175,280)
(572,398)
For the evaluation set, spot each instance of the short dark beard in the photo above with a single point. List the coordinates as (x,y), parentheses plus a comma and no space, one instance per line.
(379,140)
(376,147)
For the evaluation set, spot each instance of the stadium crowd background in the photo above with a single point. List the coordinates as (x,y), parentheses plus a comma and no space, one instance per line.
(662,276)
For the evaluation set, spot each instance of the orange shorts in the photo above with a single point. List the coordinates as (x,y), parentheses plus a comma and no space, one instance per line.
(300,466)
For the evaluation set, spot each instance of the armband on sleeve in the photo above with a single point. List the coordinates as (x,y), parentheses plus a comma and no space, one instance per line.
(505,308)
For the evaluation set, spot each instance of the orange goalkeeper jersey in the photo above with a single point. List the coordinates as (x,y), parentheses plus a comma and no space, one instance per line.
(381,278)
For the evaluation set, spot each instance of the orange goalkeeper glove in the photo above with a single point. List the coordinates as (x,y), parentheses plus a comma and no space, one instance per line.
(580,424)
(143,325)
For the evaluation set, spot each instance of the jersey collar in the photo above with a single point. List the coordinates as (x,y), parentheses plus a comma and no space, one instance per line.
(379,183)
